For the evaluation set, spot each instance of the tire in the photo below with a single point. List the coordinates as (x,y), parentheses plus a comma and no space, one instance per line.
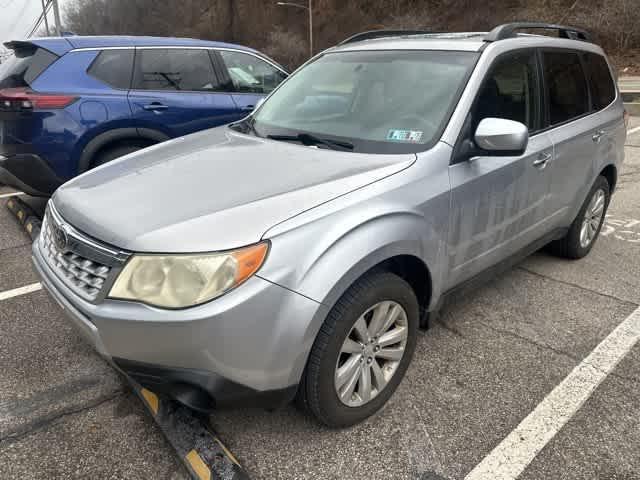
(318,390)
(116,151)
(572,245)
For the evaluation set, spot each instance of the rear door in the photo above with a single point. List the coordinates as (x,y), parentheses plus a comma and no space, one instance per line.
(176,91)
(610,133)
(574,131)
(499,203)
(248,77)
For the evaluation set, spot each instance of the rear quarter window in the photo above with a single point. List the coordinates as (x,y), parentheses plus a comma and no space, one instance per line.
(603,90)
(24,66)
(113,67)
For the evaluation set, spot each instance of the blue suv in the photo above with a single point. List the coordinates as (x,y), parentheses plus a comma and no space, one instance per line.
(70,104)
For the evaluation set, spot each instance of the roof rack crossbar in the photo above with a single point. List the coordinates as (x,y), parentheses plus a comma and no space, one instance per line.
(371,34)
(508,30)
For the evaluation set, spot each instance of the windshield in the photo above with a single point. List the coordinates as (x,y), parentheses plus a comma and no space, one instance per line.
(378,101)
(24,66)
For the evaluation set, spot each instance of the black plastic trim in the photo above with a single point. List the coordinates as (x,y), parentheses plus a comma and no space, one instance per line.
(504,265)
(111,136)
(200,389)
(29,173)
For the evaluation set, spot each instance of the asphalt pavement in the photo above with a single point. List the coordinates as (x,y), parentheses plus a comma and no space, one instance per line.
(490,362)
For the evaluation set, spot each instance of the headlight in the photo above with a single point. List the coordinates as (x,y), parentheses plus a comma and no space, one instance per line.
(179,281)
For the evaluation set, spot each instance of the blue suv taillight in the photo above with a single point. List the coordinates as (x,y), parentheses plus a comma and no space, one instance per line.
(24,99)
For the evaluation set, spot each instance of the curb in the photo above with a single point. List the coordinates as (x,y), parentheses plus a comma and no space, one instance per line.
(192,437)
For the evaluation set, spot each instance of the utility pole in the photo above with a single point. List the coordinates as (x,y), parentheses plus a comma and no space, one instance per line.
(309,9)
(56,17)
(46,20)
(310,30)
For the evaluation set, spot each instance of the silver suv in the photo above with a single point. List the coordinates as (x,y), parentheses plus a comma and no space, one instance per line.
(297,252)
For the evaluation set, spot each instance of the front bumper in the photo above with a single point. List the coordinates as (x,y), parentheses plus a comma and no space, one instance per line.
(29,173)
(247,347)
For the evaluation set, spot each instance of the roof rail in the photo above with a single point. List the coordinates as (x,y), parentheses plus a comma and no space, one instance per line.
(371,34)
(508,31)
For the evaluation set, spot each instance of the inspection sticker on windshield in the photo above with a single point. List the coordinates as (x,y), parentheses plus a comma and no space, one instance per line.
(411,136)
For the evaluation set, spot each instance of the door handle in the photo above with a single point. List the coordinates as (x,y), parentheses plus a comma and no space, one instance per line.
(597,136)
(155,106)
(542,160)
(248,108)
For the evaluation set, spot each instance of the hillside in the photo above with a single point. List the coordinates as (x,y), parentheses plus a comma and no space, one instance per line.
(283,31)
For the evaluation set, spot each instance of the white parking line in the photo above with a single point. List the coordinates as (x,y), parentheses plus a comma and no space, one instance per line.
(633,130)
(16,292)
(510,458)
(13,194)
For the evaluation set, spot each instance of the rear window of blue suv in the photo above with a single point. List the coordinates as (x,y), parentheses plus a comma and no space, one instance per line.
(24,66)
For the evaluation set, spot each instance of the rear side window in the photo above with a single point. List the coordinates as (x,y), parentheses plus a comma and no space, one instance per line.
(603,90)
(113,67)
(175,69)
(566,86)
(24,66)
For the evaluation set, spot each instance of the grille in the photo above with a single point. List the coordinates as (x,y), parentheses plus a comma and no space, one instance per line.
(83,276)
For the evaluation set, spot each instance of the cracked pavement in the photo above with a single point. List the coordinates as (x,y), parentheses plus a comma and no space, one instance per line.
(487,362)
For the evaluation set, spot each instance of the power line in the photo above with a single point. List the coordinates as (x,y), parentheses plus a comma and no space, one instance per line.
(39,20)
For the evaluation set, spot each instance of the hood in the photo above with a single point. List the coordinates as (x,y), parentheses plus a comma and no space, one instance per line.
(213,190)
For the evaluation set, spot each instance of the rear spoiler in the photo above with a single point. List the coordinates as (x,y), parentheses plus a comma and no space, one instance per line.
(15,44)
(58,46)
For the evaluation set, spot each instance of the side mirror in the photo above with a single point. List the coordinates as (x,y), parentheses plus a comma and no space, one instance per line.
(499,136)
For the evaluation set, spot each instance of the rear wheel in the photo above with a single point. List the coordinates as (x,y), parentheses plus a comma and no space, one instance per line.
(586,227)
(117,151)
(362,351)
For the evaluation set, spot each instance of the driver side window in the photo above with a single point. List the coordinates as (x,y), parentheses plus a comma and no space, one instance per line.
(250,74)
(511,91)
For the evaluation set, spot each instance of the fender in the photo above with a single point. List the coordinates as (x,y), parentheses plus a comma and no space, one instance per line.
(114,135)
(342,253)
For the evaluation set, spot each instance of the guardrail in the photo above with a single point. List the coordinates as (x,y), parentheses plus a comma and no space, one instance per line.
(630,90)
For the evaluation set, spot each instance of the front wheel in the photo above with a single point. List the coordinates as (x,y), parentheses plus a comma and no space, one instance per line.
(362,351)
(586,227)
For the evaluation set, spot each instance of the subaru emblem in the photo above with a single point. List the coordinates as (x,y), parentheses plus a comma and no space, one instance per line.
(60,238)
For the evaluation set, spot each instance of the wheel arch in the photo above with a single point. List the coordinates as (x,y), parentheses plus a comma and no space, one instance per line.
(610,172)
(113,137)
(392,258)
(333,253)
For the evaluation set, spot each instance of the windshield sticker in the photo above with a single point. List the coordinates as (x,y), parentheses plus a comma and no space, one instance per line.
(411,136)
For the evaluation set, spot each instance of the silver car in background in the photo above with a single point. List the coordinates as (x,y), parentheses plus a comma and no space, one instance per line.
(297,252)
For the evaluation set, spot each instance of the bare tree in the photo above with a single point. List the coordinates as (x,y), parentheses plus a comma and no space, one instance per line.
(280,31)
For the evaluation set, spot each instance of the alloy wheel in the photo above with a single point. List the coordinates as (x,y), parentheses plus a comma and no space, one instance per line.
(592,218)
(371,353)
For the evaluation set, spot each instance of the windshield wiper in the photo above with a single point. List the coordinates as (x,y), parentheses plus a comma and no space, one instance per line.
(308,139)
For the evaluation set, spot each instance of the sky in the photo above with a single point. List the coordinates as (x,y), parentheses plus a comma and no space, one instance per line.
(17,17)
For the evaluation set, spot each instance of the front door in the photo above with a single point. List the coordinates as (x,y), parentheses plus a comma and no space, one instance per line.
(177,92)
(249,78)
(499,204)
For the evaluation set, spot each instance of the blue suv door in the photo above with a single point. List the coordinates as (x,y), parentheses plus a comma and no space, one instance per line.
(248,77)
(176,91)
